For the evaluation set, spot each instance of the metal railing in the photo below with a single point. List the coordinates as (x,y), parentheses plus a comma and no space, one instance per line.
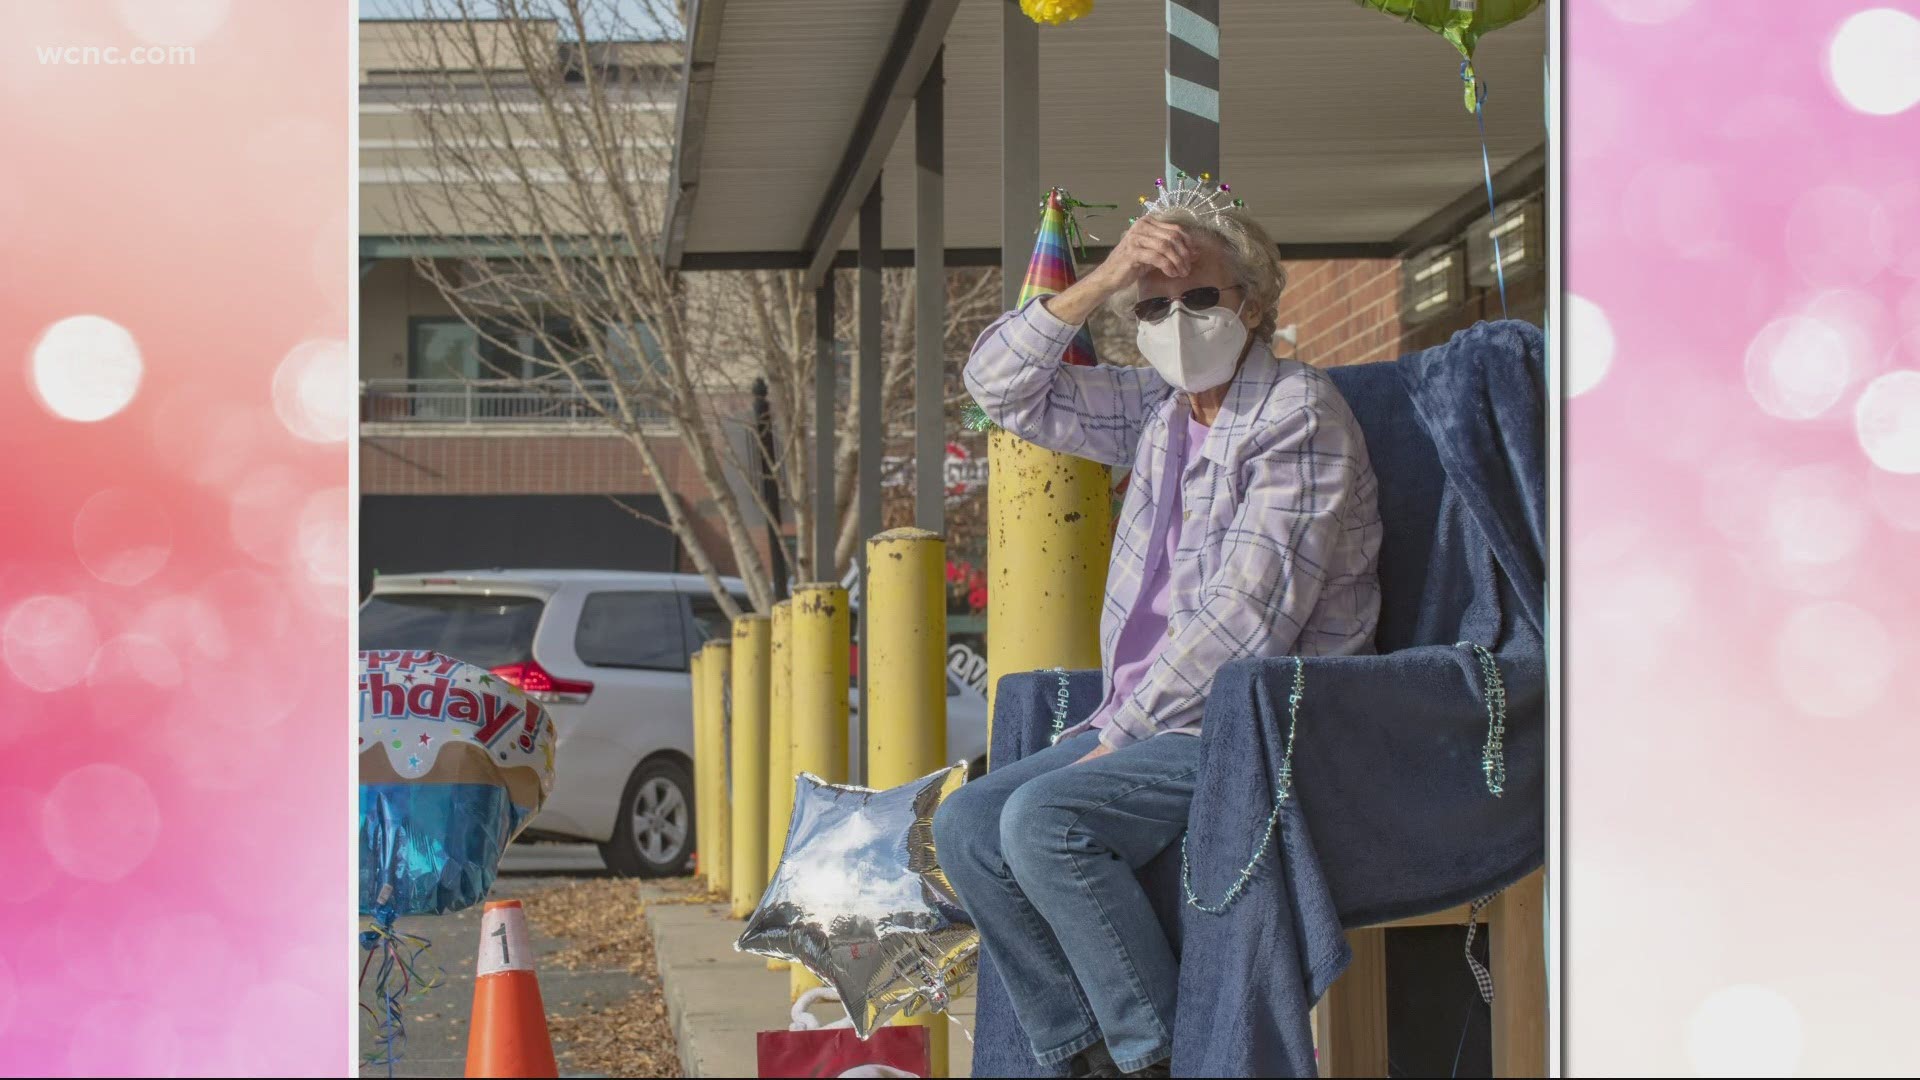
(488,401)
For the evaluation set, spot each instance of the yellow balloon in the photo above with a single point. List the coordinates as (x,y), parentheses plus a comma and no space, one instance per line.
(1055,12)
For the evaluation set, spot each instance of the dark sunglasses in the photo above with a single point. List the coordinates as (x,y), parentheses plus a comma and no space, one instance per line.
(1160,307)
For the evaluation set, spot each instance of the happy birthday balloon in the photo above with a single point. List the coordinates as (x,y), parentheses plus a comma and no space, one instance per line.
(860,901)
(454,762)
(1462,22)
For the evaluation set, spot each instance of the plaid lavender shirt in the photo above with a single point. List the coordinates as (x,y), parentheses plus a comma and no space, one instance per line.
(1280,537)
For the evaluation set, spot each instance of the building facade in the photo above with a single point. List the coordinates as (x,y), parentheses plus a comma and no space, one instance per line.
(448,432)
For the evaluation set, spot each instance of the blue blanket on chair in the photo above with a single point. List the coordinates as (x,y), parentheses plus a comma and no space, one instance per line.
(1391,814)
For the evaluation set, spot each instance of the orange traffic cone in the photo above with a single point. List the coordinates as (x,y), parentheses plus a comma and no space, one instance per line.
(508,1035)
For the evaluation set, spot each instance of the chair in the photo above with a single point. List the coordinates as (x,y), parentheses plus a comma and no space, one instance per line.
(1427,599)
(1350,1023)
(1351,1019)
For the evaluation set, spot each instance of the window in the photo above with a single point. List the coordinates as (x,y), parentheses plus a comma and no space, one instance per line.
(631,630)
(443,349)
(506,355)
(487,631)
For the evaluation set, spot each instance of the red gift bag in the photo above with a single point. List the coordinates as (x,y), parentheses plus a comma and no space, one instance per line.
(832,1051)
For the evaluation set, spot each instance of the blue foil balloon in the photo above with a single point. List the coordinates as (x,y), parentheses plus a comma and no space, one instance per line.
(432,848)
(454,762)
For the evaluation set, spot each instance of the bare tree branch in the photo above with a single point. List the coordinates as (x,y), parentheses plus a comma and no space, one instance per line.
(545,135)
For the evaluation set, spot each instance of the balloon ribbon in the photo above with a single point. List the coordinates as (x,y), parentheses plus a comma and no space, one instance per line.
(1478,87)
(399,974)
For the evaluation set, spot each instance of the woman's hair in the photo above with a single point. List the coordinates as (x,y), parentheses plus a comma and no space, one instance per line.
(1251,257)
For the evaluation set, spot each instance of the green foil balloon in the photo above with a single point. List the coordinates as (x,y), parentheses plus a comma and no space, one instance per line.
(1462,22)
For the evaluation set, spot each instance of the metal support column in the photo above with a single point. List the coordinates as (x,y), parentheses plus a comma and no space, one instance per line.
(871,442)
(826,421)
(930,303)
(767,467)
(1019,146)
(1049,515)
(1193,87)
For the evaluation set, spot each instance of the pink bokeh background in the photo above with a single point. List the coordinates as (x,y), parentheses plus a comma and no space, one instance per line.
(1743,594)
(174,810)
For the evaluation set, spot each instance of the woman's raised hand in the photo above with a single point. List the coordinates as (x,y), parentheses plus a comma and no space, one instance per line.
(1150,244)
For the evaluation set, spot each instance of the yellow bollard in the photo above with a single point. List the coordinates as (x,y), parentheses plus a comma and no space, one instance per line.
(702,794)
(716,830)
(821,642)
(695,687)
(1049,532)
(779,744)
(747,751)
(907,733)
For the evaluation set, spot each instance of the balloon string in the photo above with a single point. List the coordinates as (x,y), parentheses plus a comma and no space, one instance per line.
(956,1023)
(1479,88)
(1076,237)
(399,974)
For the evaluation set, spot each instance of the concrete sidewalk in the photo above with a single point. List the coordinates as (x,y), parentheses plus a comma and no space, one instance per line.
(719,1000)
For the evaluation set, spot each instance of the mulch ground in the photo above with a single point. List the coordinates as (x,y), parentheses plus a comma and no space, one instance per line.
(602,921)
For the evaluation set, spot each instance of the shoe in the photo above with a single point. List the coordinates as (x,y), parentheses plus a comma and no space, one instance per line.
(1163,1067)
(1093,1061)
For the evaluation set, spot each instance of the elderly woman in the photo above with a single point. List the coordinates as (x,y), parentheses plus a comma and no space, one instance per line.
(1250,529)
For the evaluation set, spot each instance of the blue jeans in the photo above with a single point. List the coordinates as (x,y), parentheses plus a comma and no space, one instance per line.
(1042,853)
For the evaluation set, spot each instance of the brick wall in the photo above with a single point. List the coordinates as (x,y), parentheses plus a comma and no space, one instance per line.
(493,464)
(1346,311)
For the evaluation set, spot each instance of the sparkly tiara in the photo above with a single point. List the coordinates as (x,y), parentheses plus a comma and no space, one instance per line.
(1203,197)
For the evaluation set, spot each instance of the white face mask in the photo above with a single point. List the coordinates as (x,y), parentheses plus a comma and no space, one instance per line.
(1194,350)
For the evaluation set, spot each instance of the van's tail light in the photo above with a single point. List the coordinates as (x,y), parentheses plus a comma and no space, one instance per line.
(541,685)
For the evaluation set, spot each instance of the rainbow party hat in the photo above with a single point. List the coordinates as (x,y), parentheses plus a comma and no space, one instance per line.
(1050,270)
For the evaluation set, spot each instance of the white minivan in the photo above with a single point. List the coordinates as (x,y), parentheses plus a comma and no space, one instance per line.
(606,651)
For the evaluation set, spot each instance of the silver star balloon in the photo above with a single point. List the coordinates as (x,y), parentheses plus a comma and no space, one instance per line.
(860,901)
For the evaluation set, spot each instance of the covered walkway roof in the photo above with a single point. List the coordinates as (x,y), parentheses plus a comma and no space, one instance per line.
(1342,129)
(1341,126)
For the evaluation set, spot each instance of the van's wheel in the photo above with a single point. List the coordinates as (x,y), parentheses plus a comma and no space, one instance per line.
(653,836)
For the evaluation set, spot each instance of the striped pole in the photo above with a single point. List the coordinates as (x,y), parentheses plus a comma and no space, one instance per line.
(1193,87)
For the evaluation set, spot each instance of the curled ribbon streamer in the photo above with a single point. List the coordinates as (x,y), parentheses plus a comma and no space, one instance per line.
(398,976)
(1076,236)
